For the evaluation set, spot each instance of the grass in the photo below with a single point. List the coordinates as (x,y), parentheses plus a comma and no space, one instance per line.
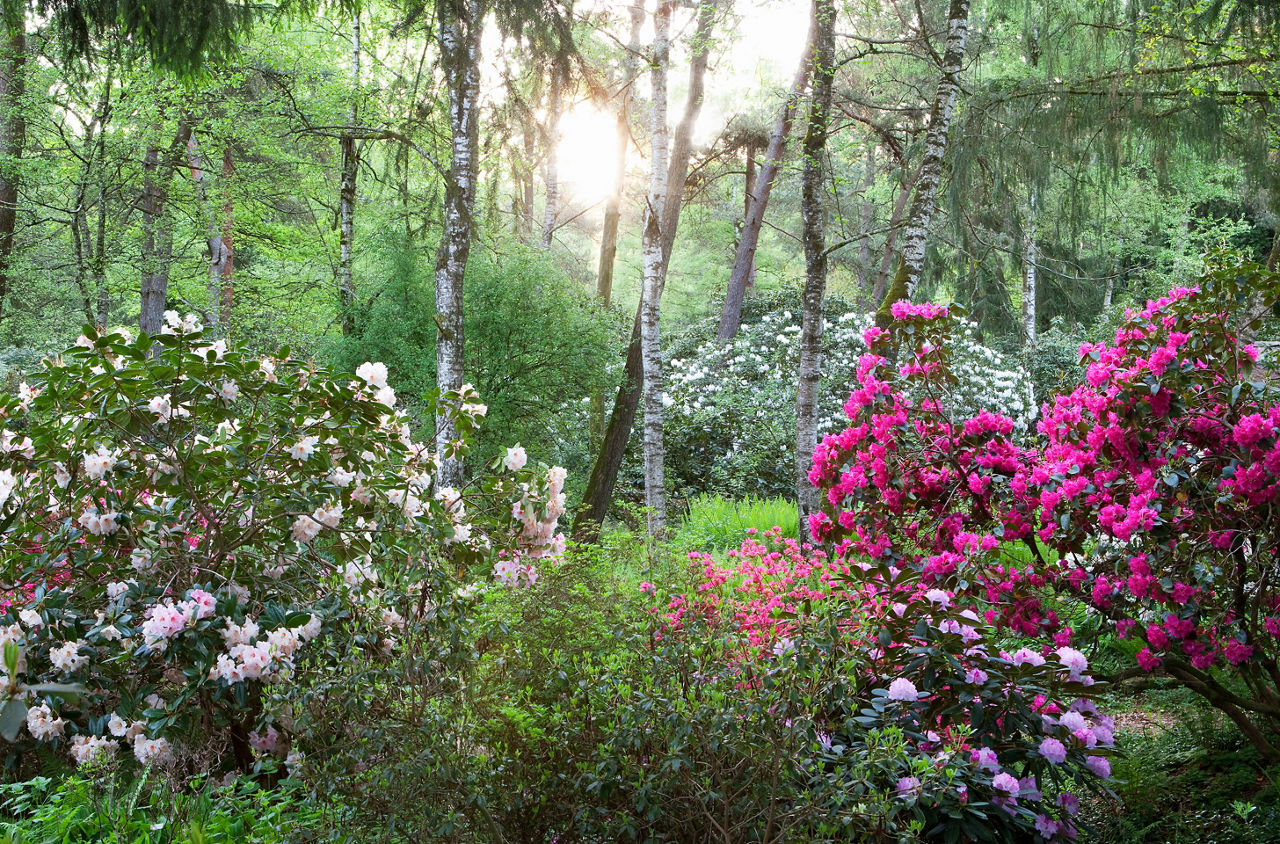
(717,523)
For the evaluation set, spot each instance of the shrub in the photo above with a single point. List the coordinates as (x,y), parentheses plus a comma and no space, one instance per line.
(717,522)
(188,533)
(1154,488)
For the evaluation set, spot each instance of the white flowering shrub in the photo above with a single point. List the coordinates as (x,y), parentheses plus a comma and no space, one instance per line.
(731,407)
(186,531)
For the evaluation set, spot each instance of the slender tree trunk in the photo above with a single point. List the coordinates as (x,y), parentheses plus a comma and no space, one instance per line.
(347,196)
(604,472)
(213,240)
(157,235)
(748,196)
(1030,256)
(461,25)
(524,222)
(868,219)
(813,213)
(613,206)
(13,136)
(655,493)
(226,261)
(926,197)
(552,163)
(744,260)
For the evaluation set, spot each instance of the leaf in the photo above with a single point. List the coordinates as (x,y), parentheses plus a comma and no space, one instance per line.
(12,717)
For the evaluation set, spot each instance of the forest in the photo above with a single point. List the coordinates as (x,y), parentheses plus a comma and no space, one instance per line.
(639,420)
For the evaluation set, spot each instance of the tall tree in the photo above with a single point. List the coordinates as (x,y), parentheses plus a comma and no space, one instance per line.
(925,200)
(347,194)
(157,233)
(613,205)
(13,131)
(744,259)
(655,493)
(813,212)
(613,447)
(461,26)
(551,163)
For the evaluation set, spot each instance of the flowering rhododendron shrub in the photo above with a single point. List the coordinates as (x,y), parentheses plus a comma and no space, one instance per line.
(732,411)
(1150,491)
(994,743)
(185,531)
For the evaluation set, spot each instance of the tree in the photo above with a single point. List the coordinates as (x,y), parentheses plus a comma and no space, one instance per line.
(744,259)
(813,212)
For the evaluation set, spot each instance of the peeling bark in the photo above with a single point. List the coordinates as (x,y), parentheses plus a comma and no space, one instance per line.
(926,196)
(347,197)
(461,25)
(813,213)
(1030,256)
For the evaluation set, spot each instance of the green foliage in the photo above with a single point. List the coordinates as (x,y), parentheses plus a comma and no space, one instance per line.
(536,345)
(715,522)
(112,810)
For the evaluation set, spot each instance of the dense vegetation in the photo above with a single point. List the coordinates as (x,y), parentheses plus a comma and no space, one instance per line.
(537,421)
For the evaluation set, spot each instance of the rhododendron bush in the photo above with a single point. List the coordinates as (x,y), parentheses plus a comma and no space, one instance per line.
(994,744)
(187,533)
(1150,491)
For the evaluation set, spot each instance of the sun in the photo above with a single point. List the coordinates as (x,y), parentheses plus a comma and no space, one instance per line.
(587,154)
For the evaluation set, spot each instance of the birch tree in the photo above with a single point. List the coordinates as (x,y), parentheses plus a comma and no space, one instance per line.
(655,495)
(813,213)
(13,132)
(925,200)
(347,194)
(1030,255)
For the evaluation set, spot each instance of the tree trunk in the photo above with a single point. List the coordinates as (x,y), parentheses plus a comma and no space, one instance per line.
(552,164)
(225,264)
(461,26)
(748,196)
(347,197)
(13,136)
(604,472)
(813,213)
(613,206)
(744,260)
(524,223)
(926,198)
(868,219)
(655,493)
(1030,255)
(157,236)
(213,238)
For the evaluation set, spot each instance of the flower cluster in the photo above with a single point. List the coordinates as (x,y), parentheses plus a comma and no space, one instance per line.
(184,520)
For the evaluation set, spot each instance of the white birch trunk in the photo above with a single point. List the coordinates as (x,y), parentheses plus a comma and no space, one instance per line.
(655,492)
(925,202)
(813,213)
(347,194)
(460,29)
(1030,257)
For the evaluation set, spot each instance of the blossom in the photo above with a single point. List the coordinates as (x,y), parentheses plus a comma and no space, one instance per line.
(373,374)
(303,448)
(87,749)
(515,459)
(907,786)
(151,751)
(1099,765)
(1007,783)
(67,657)
(1053,750)
(1073,660)
(903,690)
(1026,656)
(41,723)
(305,529)
(98,463)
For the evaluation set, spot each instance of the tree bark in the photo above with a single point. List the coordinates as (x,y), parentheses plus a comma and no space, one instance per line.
(551,211)
(347,197)
(157,236)
(926,197)
(226,259)
(461,25)
(744,260)
(218,242)
(13,136)
(813,214)
(655,493)
(613,206)
(748,196)
(881,288)
(1030,256)
(604,472)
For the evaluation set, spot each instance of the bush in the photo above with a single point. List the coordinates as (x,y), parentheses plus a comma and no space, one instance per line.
(714,522)
(190,534)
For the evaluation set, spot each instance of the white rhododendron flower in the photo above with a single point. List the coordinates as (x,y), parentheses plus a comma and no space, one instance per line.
(515,459)
(373,374)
